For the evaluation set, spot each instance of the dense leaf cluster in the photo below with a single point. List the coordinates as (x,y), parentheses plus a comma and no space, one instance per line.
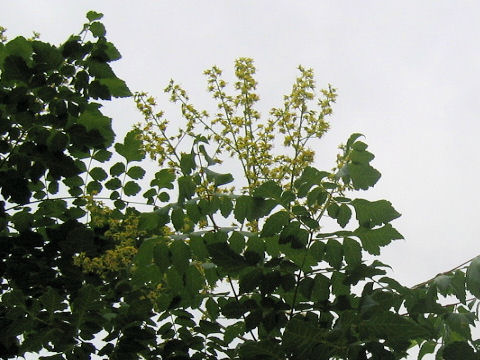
(292,276)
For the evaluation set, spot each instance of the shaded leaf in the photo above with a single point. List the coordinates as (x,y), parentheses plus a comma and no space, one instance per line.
(275,223)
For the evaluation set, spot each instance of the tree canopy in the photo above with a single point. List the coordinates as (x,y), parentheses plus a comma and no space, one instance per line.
(278,261)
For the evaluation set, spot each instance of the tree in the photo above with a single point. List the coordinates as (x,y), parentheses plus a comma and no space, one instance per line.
(278,263)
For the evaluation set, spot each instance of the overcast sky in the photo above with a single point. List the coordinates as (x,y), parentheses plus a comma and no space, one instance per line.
(407,74)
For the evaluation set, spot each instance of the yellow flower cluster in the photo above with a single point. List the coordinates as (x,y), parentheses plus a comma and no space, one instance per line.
(125,234)
(274,149)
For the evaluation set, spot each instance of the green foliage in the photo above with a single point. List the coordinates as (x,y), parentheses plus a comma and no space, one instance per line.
(207,271)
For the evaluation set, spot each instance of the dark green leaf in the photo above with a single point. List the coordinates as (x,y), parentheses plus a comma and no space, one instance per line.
(363,176)
(334,253)
(250,280)
(208,327)
(113,184)
(52,301)
(373,213)
(233,331)
(344,215)
(131,188)
(131,149)
(151,221)
(178,218)
(225,257)
(352,252)
(161,255)
(186,188)
(102,155)
(180,255)
(372,240)
(164,179)
(98,174)
(226,205)
(145,252)
(97,29)
(93,120)
(352,139)
(275,223)
(187,163)
(321,288)
(269,189)
(198,247)
(428,347)
(473,277)
(459,350)
(117,169)
(116,87)
(93,15)
(390,326)
(136,172)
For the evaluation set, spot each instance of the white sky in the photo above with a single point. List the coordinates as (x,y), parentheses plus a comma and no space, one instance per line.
(407,74)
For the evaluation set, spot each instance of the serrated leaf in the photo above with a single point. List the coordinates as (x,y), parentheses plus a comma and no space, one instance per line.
(102,155)
(113,184)
(178,218)
(161,256)
(164,179)
(275,223)
(373,239)
(259,350)
(373,213)
(151,221)
(117,169)
(226,205)
(233,331)
(93,120)
(131,188)
(361,157)
(269,189)
(97,29)
(187,163)
(136,172)
(94,187)
(352,252)
(334,253)
(144,255)
(344,214)
(93,15)
(180,256)
(321,288)
(363,176)
(458,286)
(301,336)
(131,149)
(198,247)
(117,87)
(98,174)
(186,188)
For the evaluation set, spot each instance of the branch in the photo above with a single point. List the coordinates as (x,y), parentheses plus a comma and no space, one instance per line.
(442,273)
